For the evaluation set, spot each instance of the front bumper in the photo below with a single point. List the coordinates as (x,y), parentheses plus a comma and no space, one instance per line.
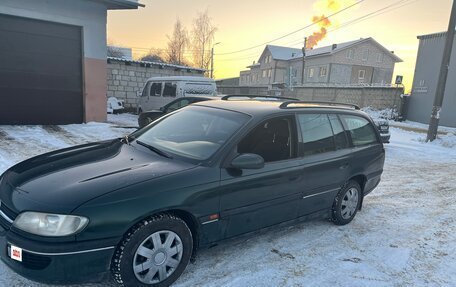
(57,262)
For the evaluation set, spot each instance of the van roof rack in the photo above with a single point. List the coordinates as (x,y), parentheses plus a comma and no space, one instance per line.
(252,97)
(286,104)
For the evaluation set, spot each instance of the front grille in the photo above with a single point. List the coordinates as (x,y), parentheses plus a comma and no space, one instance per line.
(32,261)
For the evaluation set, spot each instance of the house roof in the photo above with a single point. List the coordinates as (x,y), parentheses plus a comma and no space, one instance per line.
(121,4)
(433,35)
(283,53)
(255,65)
(147,63)
(287,53)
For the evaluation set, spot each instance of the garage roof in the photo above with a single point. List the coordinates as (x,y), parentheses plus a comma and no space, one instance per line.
(121,4)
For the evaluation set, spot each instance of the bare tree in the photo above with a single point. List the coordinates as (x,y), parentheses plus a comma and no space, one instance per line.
(203,34)
(154,55)
(177,44)
(115,52)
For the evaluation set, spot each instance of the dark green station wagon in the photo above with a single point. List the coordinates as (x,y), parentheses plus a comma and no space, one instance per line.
(140,207)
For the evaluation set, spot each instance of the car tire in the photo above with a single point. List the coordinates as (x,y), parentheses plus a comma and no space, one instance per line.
(161,245)
(347,203)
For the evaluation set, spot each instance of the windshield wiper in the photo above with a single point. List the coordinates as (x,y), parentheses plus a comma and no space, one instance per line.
(154,149)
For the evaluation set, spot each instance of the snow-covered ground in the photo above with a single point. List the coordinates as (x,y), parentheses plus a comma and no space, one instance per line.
(404,236)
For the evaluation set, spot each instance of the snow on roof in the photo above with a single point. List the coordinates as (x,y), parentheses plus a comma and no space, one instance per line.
(156,64)
(283,53)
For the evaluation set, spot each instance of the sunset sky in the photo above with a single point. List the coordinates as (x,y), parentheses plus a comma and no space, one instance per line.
(245,23)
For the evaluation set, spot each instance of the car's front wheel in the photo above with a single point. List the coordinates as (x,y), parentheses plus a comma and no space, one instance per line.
(154,253)
(346,203)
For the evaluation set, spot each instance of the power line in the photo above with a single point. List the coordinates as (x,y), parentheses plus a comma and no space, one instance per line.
(373,14)
(394,6)
(294,32)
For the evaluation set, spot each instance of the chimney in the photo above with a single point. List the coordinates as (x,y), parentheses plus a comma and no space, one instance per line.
(334,46)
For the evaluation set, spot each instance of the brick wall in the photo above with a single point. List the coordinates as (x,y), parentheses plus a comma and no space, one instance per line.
(374,97)
(126,78)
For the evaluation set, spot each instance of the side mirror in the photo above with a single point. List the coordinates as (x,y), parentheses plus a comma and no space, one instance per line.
(248,161)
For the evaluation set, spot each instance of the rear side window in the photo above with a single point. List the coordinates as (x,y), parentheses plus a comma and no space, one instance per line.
(317,134)
(340,136)
(155,90)
(199,89)
(361,130)
(170,90)
(177,105)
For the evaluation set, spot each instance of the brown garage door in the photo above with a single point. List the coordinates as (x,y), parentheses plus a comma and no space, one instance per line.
(40,72)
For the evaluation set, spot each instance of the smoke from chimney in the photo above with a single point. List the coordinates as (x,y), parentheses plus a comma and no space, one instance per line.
(317,36)
(325,7)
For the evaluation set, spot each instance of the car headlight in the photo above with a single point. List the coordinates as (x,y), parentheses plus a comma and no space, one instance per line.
(45,224)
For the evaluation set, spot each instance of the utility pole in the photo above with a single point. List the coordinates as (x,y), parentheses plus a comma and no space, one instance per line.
(212,60)
(303,60)
(440,92)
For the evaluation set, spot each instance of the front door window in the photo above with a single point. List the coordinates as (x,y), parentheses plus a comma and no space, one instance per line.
(273,140)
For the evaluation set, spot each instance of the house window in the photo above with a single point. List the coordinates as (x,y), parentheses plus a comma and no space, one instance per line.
(268,59)
(379,57)
(365,55)
(294,72)
(422,83)
(269,73)
(361,74)
(323,72)
(311,73)
(265,73)
(349,54)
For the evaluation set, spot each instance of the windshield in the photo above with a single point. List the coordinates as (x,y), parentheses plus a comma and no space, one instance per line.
(194,132)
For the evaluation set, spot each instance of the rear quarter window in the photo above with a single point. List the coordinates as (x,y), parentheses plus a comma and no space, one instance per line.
(362,132)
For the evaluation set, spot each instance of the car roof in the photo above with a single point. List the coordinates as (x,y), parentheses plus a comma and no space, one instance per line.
(266,106)
(182,78)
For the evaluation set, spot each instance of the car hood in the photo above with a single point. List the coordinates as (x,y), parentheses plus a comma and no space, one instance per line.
(61,181)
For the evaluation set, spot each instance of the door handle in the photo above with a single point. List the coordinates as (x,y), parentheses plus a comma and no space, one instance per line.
(344,166)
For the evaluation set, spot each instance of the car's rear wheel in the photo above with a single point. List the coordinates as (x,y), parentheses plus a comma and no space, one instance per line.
(346,203)
(154,253)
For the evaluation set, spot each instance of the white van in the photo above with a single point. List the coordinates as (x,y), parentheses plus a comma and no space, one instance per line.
(159,91)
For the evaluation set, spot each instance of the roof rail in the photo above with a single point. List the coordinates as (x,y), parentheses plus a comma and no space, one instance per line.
(252,97)
(285,104)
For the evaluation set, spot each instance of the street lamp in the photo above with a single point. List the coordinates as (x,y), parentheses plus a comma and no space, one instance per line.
(212,59)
